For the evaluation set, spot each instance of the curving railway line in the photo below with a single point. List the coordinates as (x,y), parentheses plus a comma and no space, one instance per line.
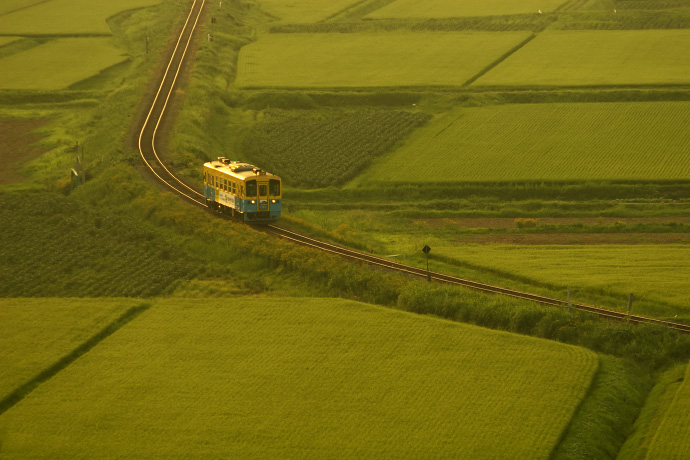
(147,149)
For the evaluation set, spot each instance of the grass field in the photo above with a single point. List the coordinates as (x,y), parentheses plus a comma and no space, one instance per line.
(58,64)
(654,273)
(585,58)
(370,59)
(559,142)
(66,17)
(302,378)
(35,333)
(452,8)
(671,441)
(6,40)
(304,10)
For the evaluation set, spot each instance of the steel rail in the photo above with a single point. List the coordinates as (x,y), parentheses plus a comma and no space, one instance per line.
(149,129)
(154,162)
(483,287)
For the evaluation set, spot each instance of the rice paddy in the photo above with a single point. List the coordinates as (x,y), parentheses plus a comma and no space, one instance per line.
(302,378)
(555,142)
(395,59)
(596,58)
(452,8)
(58,64)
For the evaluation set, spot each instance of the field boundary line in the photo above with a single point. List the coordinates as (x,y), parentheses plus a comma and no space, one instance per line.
(499,60)
(359,9)
(24,390)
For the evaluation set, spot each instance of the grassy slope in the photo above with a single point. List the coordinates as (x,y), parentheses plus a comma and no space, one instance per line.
(302,378)
(675,427)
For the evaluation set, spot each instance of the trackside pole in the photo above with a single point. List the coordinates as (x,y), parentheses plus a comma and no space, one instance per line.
(426,249)
(568,300)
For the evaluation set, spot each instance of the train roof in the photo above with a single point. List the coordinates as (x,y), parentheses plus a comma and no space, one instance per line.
(237,168)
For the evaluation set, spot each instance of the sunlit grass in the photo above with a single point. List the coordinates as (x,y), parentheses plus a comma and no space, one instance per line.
(303,378)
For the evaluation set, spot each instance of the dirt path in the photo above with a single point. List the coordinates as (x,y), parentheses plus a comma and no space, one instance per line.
(16,147)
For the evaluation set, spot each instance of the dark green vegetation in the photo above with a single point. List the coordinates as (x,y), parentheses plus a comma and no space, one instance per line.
(330,151)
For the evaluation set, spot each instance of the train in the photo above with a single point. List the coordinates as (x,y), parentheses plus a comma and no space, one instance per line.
(242,190)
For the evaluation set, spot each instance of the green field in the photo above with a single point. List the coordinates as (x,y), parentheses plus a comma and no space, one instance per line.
(302,378)
(654,273)
(304,10)
(58,64)
(596,58)
(66,17)
(35,333)
(6,40)
(557,142)
(453,8)
(671,439)
(370,59)
(298,149)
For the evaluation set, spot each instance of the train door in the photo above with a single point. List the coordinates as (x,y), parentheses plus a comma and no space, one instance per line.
(263,196)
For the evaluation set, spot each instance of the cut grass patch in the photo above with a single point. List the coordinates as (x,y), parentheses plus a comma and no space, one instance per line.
(303,378)
(58,64)
(596,58)
(395,59)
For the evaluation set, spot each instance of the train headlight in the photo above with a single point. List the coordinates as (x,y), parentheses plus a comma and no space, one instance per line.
(253,201)
(273,201)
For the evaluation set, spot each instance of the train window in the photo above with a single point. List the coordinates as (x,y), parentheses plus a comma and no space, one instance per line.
(251,188)
(225,185)
(274,187)
(234,188)
(262,190)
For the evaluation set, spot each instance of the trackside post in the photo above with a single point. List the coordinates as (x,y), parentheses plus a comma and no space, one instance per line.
(426,249)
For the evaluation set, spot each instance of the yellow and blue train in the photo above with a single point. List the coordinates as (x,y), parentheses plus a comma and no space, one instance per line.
(242,190)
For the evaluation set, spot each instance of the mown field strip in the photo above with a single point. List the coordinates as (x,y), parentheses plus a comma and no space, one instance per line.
(586,141)
(370,59)
(592,57)
(651,272)
(304,10)
(58,64)
(35,333)
(302,378)
(454,9)
(672,439)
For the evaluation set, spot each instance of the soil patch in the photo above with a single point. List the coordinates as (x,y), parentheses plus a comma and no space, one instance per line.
(509,222)
(16,147)
(576,238)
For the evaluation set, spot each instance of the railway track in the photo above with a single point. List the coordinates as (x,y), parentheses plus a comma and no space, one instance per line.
(149,154)
(449,279)
(149,130)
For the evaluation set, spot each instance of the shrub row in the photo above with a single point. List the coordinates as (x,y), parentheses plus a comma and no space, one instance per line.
(647,344)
